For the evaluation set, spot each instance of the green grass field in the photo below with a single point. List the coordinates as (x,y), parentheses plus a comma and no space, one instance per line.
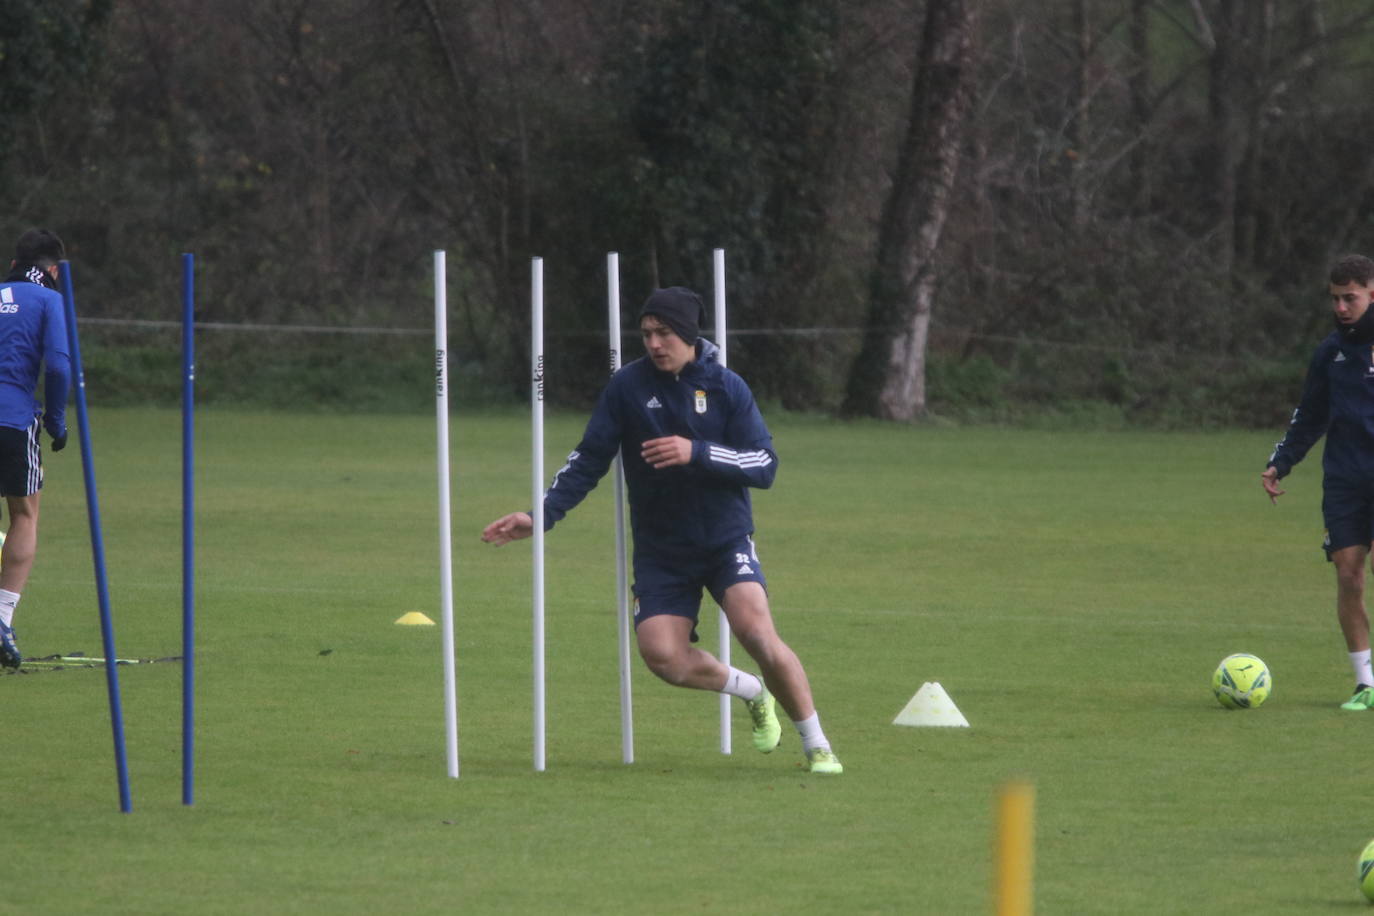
(1071,591)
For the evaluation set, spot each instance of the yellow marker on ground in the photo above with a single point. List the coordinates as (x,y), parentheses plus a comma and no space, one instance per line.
(414,619)
(1015,852)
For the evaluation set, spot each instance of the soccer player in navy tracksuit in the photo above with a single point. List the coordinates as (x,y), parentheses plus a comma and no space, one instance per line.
(33,335)
(1338,400)
(692,442)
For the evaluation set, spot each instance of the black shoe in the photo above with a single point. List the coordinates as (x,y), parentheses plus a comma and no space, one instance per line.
(9,652)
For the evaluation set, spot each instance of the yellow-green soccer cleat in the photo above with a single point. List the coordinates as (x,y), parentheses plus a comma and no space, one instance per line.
(823,760)
(1362,699)
(767,731)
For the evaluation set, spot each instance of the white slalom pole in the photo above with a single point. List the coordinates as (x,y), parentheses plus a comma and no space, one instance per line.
(537,500)
(718,272)
(622,588)
(445,523)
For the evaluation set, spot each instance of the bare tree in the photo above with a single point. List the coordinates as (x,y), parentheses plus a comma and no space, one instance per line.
(888,377)
(1141,105)
(1080,132)
(1224,70)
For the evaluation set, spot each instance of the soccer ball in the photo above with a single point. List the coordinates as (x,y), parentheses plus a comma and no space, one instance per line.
(1366,873)
(1241,681)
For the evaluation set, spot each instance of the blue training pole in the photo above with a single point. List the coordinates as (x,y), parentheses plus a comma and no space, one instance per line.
(97,543)
(188,528)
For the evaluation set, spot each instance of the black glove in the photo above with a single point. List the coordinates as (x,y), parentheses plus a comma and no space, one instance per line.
(58,431)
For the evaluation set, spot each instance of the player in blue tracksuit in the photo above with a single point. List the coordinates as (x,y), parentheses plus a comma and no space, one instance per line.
(1338,401)
(33,336)
(692,443)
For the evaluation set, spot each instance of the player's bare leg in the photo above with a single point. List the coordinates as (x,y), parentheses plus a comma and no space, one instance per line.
(21,542)
(16,560)
(666,647)
(751,622)
(665,644)
(1354,621)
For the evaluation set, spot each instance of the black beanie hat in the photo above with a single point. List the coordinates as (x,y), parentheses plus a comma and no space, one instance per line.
(677,307)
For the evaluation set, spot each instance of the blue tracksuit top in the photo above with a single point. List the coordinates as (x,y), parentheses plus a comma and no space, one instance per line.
(1338,400)
(33,334)
(698,506)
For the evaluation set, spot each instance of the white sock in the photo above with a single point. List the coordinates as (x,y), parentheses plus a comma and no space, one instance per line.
(1364,673)
(742,684)
(8,601)
(810,731)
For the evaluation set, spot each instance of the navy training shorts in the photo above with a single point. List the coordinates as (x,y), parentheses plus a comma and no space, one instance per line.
(1348,513)
(673,584)
(21,461)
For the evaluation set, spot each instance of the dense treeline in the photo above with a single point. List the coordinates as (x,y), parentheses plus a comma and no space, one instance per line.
(1142,194)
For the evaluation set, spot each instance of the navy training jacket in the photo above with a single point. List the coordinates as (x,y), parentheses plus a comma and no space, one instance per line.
(697,506)
(1338,400)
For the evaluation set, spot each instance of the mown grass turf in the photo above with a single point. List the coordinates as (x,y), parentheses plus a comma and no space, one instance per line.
(1072,592)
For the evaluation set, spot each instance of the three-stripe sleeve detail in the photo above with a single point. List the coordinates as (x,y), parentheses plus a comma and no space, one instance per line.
(748,459)
(572,457)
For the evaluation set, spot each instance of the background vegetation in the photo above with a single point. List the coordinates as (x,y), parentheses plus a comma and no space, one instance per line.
(1146,196)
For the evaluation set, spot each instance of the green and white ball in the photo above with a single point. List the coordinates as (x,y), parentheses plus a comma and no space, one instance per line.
(1242,681)
(1366,872)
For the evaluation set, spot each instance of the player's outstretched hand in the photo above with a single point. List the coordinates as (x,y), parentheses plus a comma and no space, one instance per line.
(1270,481)
(508,528)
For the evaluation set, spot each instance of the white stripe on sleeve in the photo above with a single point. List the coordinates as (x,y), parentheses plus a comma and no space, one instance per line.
(750,459)
(572,456)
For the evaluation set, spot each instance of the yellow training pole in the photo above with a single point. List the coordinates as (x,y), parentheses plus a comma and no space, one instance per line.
(1015,850)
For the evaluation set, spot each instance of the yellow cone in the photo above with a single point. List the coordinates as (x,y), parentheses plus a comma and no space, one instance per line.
(414,619)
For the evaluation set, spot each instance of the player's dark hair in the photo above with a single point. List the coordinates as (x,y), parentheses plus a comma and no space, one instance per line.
(1352,268)
(40,248)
